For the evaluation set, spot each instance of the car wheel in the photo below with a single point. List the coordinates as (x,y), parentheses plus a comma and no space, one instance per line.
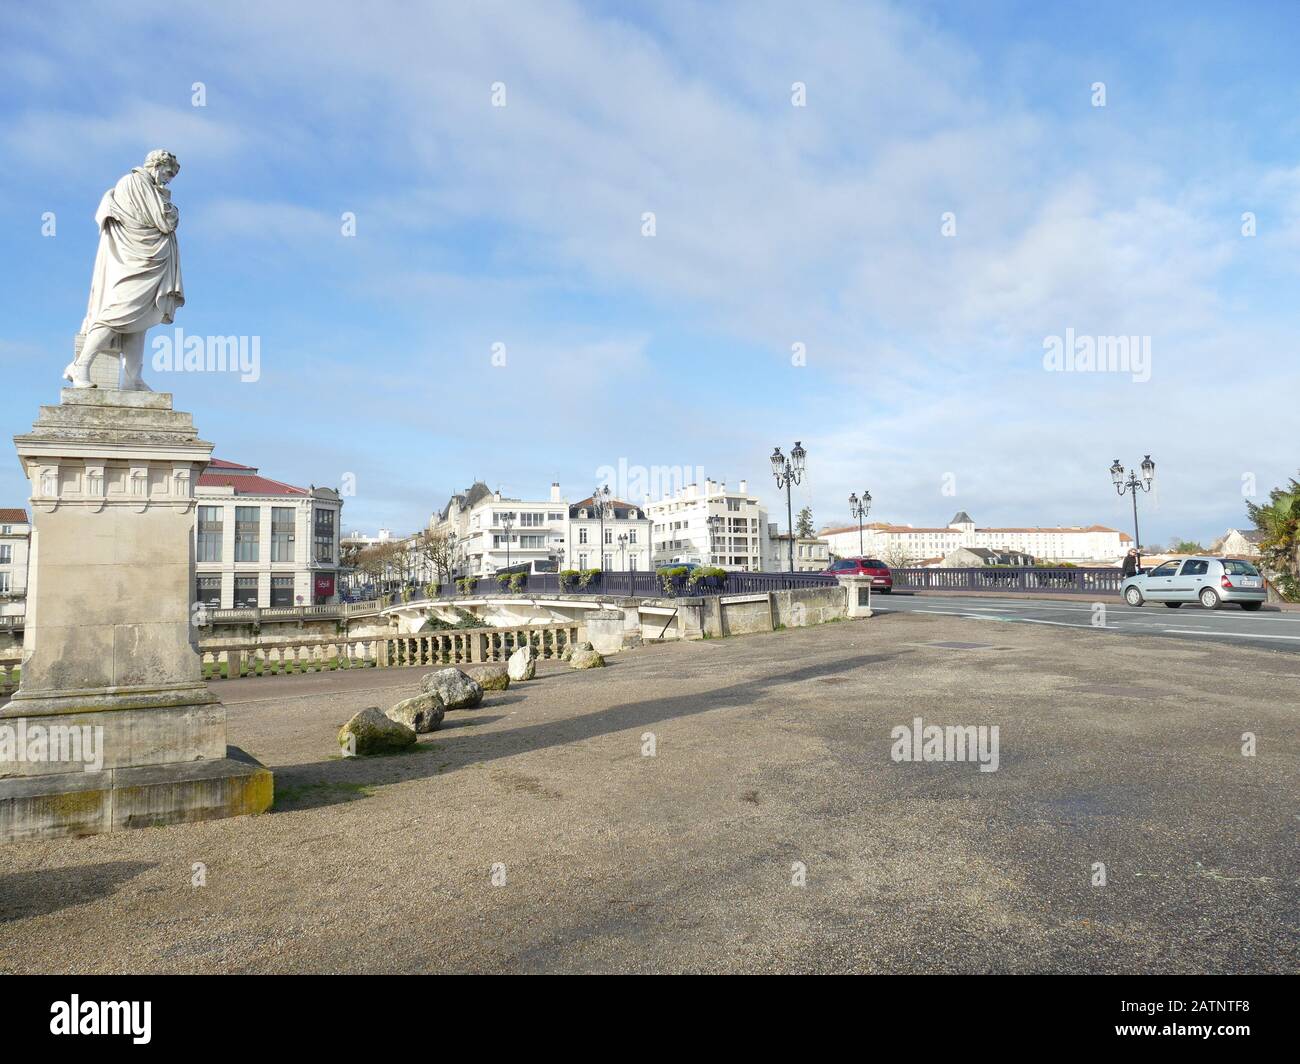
(1209,598)
(1133,597)
(1252,606)
(1173,605)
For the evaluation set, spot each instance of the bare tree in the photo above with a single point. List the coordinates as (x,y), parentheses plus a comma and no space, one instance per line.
(442,551)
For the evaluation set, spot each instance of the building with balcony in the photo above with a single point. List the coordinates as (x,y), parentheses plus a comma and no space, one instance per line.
(709,525)
(15,544)
(261,542)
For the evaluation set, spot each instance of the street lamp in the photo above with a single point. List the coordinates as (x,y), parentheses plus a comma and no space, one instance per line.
(859,508)
(559,562)
(714,522)
(600,500)
(1130,487)
(789,471)
(622,559)
(508,523)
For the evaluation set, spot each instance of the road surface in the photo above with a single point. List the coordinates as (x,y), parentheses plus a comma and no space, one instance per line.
(1266,629)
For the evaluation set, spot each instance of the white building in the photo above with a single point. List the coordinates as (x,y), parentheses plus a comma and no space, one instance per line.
(811,554)
(736,538)
(15,542)
(542,535)
(1077,543)
(625,531)
(260,542)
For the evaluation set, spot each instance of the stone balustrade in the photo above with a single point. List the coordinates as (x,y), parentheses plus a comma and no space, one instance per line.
(9,663)
(455,646)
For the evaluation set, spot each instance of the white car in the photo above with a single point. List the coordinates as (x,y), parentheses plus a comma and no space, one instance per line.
(1209,581)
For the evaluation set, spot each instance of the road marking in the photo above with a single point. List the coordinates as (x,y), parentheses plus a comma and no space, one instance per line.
(1230,635)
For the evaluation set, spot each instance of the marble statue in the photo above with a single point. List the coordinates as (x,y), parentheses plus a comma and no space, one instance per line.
(137,278)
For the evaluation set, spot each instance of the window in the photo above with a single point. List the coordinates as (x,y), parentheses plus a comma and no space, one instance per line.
(609,562)
(248,521)
(211,527)
(631,535)
(582,535)
(282,591)
(6,530)
(532,542)
(609,536)
(6,553)
(282,533)
(555,517)
(4,583)
(531,520)
(208,590)
(582,561)
(245,588)
(1239,568)
(1195,567)
(500,517)
(1168,569)
(323,535)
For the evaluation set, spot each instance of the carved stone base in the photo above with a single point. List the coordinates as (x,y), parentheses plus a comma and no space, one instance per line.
(93,803)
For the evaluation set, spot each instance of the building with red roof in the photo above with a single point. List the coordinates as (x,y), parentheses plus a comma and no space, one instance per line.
(262,542)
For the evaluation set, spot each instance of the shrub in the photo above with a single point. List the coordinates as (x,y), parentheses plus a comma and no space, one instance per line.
(706,572)
(669,577)
(517,581)
(466,584)
(586,577)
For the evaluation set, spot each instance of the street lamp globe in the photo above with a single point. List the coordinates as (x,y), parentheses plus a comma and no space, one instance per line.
(778,462)
(1148,471)
(797,458)
(1117,473)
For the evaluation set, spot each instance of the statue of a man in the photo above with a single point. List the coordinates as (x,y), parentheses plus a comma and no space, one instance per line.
(137,279)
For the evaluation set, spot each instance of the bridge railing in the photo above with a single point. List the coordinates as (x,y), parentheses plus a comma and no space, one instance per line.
(1080,581)
(634,584)
(253,614)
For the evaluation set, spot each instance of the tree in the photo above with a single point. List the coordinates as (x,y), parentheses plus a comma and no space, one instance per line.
(1279,521)
(442,551)
(380,561)
(896,557)
(1185,546)
(803,525)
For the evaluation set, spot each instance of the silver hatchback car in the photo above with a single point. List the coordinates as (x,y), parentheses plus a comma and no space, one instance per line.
(1209,581)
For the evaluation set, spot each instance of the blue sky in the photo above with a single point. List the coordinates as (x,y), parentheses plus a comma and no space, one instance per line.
(776,225)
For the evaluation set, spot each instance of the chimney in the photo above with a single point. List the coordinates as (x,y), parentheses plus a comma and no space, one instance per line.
(555,491)
(744,487)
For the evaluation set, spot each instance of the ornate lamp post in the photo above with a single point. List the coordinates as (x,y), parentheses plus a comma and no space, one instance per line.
(508,523)
(559,563)
(789,471)
(859,508)
(1130,487)
(600,501)
(714,523)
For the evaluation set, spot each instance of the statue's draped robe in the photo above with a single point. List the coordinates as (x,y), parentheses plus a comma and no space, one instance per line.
(137,279)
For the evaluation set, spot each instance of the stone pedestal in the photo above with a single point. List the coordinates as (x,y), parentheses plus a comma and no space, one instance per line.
(857,591)
(112,725)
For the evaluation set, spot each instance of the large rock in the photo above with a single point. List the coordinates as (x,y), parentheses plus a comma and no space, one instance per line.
(569,648)
(586,659)
(457,690)
(491,677)
(422,714)
(523,663)
(373,732)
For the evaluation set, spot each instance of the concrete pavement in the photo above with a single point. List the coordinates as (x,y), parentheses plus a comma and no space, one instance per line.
(772,755)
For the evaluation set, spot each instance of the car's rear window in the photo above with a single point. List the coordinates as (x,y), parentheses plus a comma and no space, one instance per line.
(873,563)
(1233,567)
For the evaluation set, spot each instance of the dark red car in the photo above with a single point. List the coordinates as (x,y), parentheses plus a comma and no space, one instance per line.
(882,579)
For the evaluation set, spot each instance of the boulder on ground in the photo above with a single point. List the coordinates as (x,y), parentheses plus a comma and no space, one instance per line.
(372,732)
(422,714)
(523,663)
(586,659)
(491,677)
(569,648)
(457,690)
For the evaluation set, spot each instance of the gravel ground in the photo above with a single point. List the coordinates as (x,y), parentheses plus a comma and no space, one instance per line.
(771,750)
